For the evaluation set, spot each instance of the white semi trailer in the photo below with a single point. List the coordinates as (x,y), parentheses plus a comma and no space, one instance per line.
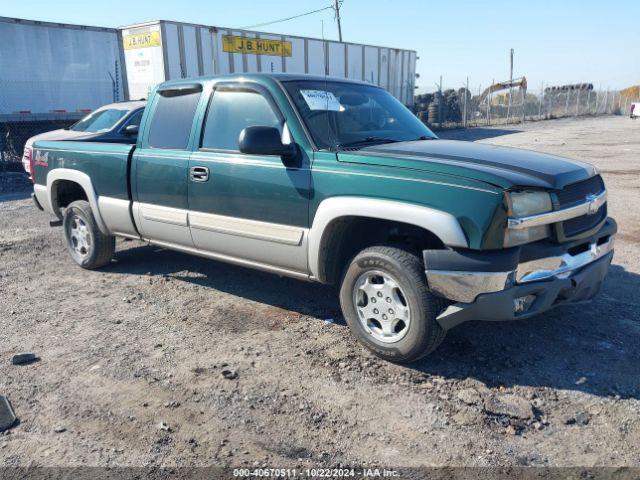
(163,50)
(53,71)
(57,71)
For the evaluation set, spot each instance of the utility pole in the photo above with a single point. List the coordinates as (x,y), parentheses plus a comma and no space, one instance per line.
(489,98)
(336,7)
(524,99)
(541,100)
(510,83)
(440,104)
(466,94)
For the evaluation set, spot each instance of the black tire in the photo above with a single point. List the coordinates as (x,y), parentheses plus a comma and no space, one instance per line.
(423,333)
(96,249)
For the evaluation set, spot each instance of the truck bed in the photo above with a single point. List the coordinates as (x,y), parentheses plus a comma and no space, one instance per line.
(107,164)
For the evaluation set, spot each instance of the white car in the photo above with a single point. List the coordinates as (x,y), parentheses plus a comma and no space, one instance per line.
(116,123)
(635,110)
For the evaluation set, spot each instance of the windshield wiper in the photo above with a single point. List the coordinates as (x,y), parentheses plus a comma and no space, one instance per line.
(366,141)
(423,137)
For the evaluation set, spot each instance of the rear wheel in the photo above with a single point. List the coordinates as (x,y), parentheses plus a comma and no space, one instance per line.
(388,306)
(87,245)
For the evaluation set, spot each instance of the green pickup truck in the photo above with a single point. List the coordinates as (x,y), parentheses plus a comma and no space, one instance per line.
(335,181)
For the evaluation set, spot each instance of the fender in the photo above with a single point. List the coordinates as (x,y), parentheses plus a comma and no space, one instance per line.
(442,224)
(81,179)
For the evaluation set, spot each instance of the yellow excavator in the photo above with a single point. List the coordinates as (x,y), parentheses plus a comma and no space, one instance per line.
(520,82)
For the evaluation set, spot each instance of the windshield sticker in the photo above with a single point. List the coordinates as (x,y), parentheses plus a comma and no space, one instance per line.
(321,100)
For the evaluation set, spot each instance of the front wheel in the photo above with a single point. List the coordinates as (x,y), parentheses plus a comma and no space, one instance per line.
(87,245)
(388,306)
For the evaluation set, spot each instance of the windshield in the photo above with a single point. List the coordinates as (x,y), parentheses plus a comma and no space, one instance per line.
(100,120)
(349,115)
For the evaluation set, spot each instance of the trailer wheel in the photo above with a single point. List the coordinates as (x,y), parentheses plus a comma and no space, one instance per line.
(87,245)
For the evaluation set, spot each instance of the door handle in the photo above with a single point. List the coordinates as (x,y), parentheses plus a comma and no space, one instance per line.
(199,174)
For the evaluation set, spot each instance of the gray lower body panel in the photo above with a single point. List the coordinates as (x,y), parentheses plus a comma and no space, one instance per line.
(499,306)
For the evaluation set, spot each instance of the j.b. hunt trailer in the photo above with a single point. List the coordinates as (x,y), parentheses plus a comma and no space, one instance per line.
(163,50)
(57,71)
(53,71)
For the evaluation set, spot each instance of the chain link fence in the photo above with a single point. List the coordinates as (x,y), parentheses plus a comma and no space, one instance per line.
(14,132)
(31,107)
(497,105)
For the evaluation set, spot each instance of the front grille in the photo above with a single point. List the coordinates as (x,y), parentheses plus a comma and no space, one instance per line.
(577,193)
(581,224)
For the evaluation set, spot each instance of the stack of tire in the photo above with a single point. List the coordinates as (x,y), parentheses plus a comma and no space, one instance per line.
(452,111)
(423,115)
(437,108)
(422,101)
(434,113)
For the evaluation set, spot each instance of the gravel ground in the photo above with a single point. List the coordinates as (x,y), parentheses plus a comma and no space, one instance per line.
(163,359)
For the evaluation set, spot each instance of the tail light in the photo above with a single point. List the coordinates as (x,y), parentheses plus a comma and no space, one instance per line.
(28,162)
(633,107)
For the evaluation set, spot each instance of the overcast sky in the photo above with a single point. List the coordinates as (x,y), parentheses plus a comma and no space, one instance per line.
(563,41)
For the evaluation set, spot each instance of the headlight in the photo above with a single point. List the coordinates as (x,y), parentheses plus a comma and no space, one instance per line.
(522,204)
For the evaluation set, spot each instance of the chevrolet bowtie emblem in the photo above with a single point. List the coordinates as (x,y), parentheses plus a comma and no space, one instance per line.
(592,200)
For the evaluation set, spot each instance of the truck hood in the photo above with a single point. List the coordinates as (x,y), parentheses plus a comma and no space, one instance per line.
(501,166)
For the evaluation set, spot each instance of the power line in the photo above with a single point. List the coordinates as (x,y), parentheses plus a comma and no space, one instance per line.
(330,7)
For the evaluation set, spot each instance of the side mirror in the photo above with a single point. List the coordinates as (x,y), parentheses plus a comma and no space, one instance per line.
(132,129)
(265,141)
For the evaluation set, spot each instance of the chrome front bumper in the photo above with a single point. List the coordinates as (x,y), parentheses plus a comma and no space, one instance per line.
(466,286)
(490,273)
(564,265)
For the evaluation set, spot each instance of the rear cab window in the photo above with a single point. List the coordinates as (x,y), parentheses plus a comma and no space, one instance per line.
(173,116)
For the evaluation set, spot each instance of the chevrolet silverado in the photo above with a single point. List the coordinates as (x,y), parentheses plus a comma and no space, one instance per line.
(335,181)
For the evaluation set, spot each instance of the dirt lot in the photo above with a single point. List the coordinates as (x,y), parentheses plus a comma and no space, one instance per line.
(132,356)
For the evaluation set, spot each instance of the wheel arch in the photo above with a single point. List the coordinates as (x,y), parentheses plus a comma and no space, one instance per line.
(334,213)
(58,177)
